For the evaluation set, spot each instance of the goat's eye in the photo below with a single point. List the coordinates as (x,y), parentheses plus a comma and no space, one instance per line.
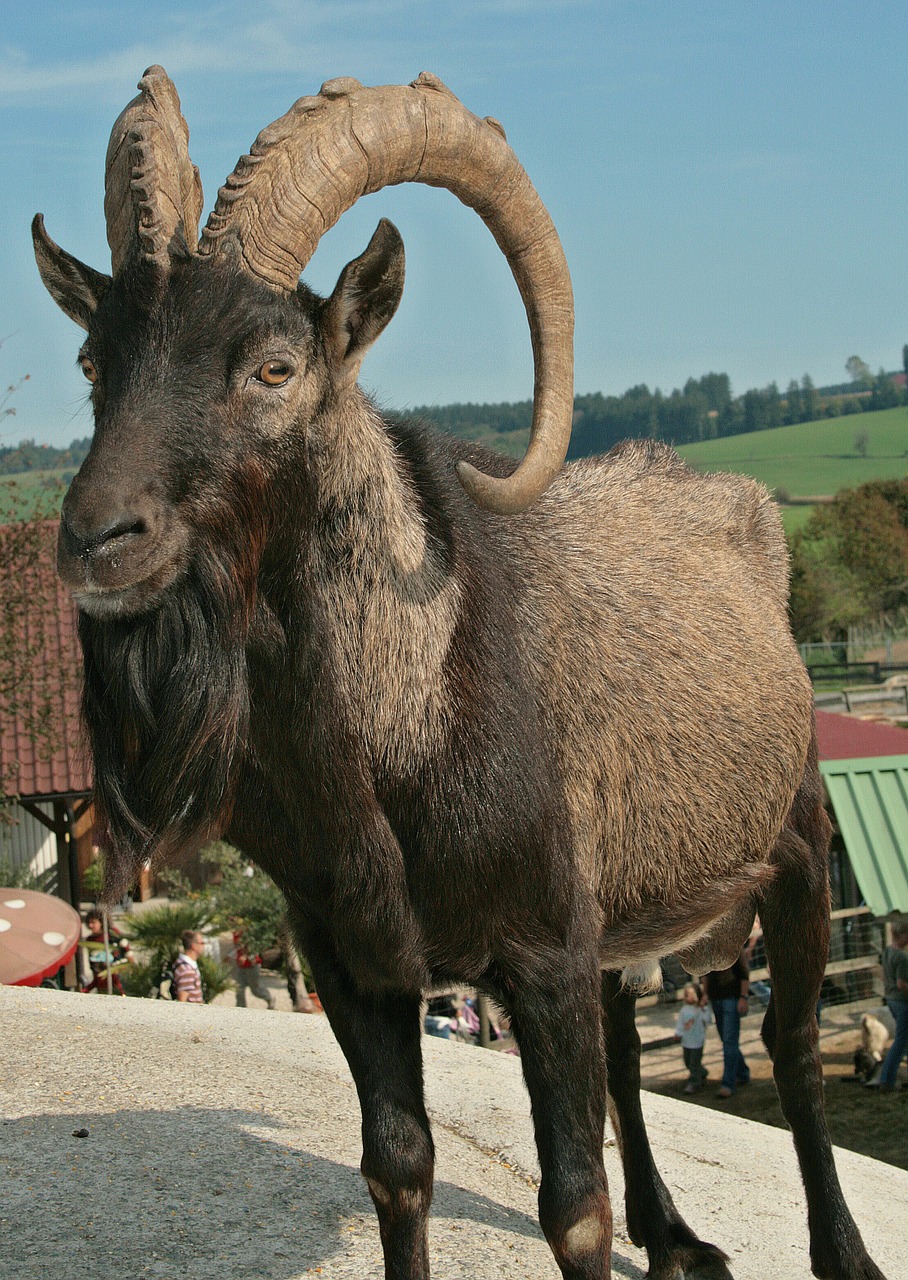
(88,369)
(275,373)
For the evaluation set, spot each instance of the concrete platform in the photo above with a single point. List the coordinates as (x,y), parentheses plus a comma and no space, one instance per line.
(224,1143)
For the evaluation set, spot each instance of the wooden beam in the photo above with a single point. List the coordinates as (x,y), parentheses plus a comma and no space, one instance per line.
(82,807)
(57,828)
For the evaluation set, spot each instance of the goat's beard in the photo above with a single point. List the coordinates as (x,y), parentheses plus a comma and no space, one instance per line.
(166,706)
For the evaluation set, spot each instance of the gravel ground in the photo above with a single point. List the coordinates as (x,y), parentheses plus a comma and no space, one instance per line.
(224,1143)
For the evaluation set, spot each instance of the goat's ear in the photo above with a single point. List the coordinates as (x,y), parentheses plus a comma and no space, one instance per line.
(76,288)
(364,300)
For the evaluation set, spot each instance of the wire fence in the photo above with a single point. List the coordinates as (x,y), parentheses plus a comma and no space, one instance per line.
(887,630)
(877,640)
(853,971)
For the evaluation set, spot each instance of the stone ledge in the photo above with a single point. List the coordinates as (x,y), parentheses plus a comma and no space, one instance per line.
(224,1143)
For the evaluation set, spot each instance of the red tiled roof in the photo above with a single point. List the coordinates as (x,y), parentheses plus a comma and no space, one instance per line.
(847,738)
(45,623)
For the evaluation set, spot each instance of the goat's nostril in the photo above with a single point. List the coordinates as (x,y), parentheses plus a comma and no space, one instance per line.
(84,542)
(127,527)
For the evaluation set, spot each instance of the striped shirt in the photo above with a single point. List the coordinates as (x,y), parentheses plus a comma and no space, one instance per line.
(186,978)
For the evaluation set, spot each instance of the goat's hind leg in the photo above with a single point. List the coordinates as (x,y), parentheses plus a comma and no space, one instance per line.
(794,913)
(653,1222)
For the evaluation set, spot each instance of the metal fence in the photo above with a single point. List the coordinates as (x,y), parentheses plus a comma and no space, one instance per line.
(886,631)
(853,971)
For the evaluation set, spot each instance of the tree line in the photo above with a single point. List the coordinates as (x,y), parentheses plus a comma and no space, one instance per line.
(703,409)
(28,456)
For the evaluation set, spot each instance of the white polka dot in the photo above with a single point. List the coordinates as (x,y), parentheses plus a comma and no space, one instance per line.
(4,925)
(52,938)
(16,904)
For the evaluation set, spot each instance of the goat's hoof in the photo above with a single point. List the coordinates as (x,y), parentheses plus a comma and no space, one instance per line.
(694,1261)
(844,1267)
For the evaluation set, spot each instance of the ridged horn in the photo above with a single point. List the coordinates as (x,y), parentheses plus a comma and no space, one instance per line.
(312,164)
(153,192)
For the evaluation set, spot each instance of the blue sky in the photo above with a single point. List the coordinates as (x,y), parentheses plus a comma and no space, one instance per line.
(729,179)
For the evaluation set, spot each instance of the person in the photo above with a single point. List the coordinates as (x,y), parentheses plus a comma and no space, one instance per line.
(468,1025)
(441,1017)
(895,983)
(728,990)
(107,949)
(300,998)
(247,973)
(186,985)
(690,1028)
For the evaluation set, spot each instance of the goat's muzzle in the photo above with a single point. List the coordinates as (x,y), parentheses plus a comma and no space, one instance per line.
(117,557)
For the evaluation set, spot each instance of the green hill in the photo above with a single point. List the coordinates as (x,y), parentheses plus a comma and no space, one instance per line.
(812,459)
(32,493)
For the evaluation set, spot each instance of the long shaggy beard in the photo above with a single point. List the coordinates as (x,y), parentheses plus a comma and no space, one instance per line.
(166,705)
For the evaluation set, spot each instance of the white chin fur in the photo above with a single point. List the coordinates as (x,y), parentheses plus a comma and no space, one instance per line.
(101,604)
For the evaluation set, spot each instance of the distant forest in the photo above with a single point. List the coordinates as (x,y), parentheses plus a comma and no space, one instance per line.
(703,410)
(28,456)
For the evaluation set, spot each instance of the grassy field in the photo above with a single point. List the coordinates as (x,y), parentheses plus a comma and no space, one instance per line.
(794,518)
(32,492)
(812,458)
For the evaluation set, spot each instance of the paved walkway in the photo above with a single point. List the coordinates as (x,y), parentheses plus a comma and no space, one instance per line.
(223,1144)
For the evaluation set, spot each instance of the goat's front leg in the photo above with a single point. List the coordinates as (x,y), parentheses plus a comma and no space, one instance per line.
(653,1222)
(555,1017)
(379,1034)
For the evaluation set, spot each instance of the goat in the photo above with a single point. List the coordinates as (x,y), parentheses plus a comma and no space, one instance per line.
(527,728)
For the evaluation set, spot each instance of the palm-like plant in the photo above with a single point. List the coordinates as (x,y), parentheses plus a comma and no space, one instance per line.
(157,934)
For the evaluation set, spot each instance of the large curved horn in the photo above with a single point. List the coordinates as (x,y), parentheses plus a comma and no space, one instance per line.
(307,168)
(153,192)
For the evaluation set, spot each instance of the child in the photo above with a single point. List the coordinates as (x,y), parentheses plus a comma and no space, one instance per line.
(690,1029)
(112,954)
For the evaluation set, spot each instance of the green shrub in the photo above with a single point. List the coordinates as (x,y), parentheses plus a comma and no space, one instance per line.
(157,933)
(18,877)
(160,929)
(246,900)
(215,977)
(140,979)
(92,880)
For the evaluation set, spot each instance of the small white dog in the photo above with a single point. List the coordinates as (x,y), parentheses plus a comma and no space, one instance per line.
(874,1036)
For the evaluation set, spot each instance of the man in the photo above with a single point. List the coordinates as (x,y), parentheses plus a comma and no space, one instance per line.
(895,982)
(247,972)
(187,981)
(728,990)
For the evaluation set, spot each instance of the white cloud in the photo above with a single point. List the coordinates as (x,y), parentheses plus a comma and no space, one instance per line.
(22,78)
(281,36)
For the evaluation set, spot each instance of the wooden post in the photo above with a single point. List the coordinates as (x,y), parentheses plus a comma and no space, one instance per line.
(107,954)
(485,1025)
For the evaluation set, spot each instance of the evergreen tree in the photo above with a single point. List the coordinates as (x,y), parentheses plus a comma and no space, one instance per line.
(793,402)
(810,404)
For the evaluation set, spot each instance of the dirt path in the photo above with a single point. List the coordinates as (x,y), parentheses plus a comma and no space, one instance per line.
(862,1120)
